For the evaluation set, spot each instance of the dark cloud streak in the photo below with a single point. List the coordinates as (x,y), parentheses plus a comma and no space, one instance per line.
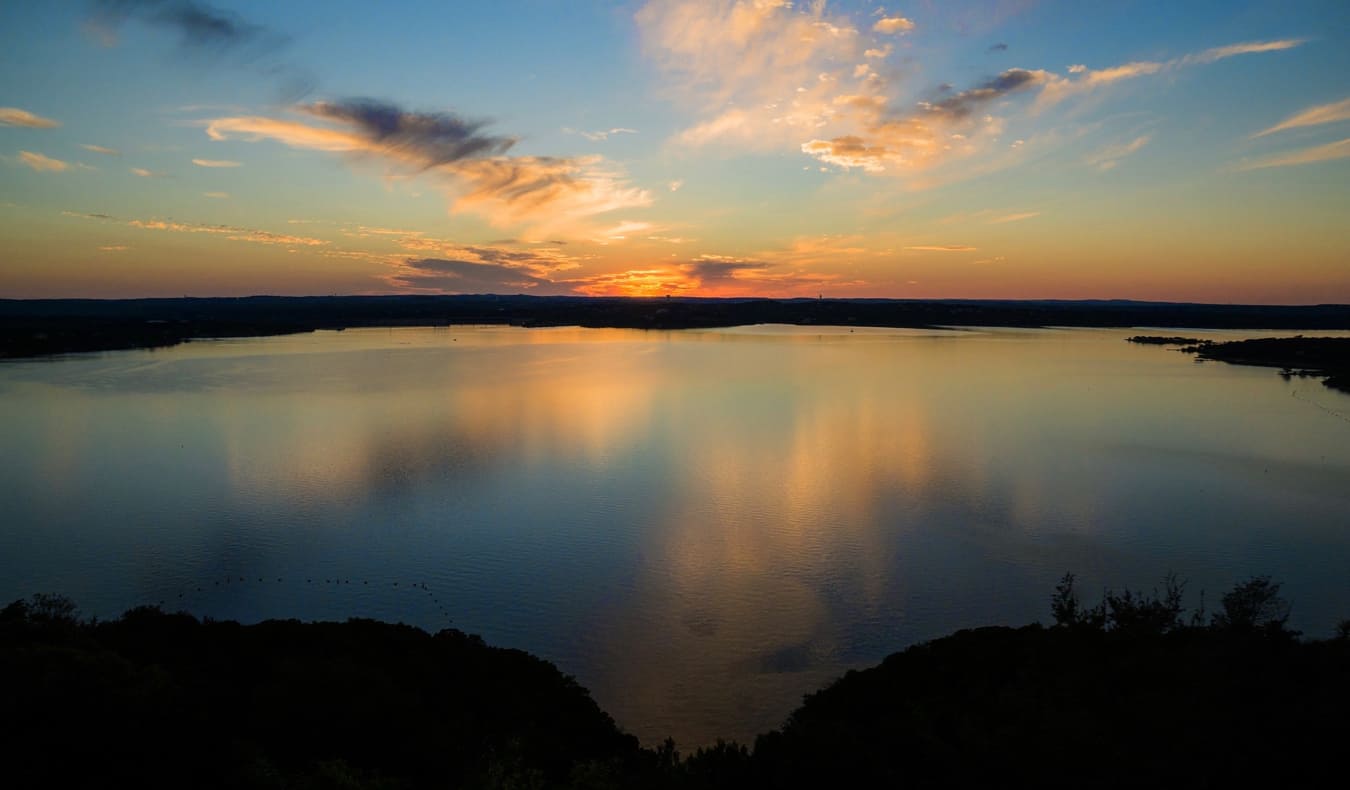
(198,26)
(967,101)
(429,138)
(715,270)
(206,31)
(459,276)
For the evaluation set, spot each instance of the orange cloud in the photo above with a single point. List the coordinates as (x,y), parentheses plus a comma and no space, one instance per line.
(636,282)
(1086,80)
(228,231)
(1313,116)
(551,194)
(765,71)
(769,74)
(291,133)
(1307,156)
(892,25)
(42,163)
(1018,217)
(1110,156)
(13,116)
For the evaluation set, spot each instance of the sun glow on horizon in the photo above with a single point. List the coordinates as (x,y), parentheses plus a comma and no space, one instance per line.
(695,147)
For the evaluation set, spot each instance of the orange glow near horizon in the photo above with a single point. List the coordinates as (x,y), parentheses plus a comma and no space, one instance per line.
(706,148)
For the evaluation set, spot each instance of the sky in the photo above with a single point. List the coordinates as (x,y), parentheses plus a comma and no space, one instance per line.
(1195,151)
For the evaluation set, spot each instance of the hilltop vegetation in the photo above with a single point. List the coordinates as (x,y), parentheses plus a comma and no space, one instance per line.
(1128,692)
(56,326)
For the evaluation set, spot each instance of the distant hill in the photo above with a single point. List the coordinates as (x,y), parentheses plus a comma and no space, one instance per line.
(54,326)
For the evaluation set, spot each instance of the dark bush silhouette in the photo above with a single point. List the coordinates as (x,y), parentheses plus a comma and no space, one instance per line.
(1254,605)
(163,700)
(1127,611)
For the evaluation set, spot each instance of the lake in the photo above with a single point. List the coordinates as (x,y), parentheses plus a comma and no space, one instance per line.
(700,526)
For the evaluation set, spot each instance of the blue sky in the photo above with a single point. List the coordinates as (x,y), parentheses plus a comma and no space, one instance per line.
(1188,151)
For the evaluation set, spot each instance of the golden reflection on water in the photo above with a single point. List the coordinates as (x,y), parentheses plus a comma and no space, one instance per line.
(702,526)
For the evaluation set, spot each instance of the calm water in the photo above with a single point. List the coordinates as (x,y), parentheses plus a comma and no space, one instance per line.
(700,526)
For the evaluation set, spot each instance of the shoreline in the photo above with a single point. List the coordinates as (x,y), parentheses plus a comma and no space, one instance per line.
(43,328)
(1327,358)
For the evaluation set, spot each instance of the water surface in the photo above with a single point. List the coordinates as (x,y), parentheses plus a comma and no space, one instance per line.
(701,526)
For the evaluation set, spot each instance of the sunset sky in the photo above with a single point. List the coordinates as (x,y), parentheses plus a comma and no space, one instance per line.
(1184,151)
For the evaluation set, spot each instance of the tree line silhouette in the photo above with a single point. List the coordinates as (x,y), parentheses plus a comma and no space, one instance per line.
(1129,691)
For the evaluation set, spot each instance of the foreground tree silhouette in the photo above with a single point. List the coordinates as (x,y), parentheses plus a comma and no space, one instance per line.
(1121,694)
(1254,605)
(1127,611)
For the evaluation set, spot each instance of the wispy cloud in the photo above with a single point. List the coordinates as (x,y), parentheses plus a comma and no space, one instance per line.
(1110,156)
(114,248)
(206,31)
(849,151)
(601,135)
(1307,156)
(628,228)
(1313,116)
(13,116)
(217,195)
(540,261)
(964,125)
(229,232)
(892,25)
(1245,48)
(653,281)
(99,149)
(216,163)
(144,173)
(197,24)
(941,248)
(968,101)
(763,73)
(42,163)
(426,138)
(550,193)
(1085,80)
(444,275)
(448,267)
(773,75)
(1018,217)
(934,133)
(804,267)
